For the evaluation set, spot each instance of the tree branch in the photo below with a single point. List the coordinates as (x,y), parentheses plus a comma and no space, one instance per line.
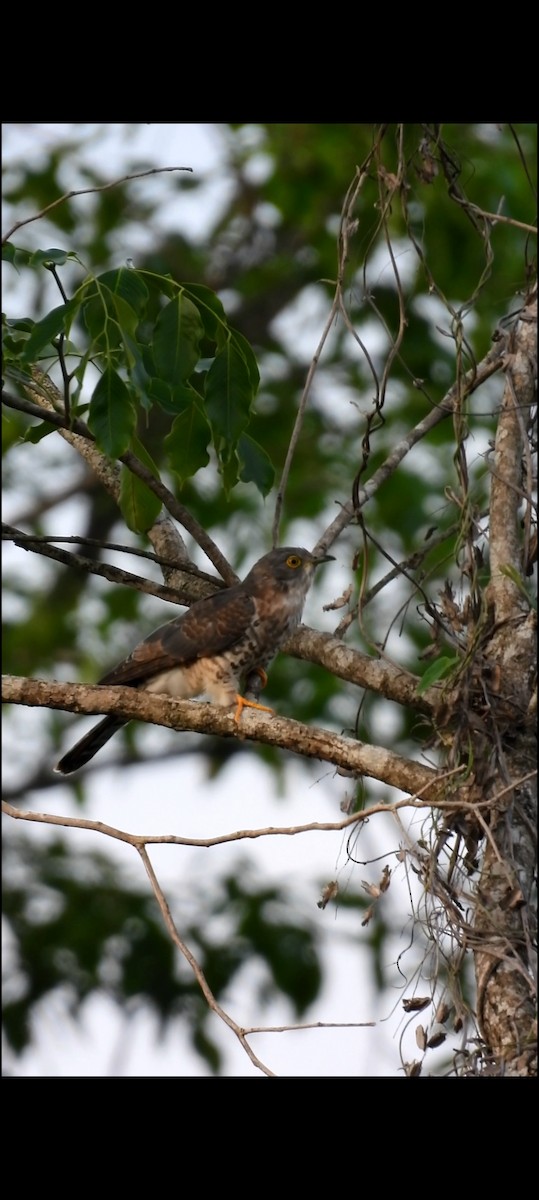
(162,532)
(78,435)
(105,187)
(113,574)
(378,676)
(224,839)
(163,535)
(195,965)
(322,744)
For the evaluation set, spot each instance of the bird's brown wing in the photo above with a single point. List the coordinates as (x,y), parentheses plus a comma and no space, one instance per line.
(209,627)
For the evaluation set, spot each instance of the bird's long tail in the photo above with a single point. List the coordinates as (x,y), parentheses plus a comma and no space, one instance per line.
(89,745)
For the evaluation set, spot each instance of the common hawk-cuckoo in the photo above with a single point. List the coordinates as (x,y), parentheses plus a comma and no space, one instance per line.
(215,645)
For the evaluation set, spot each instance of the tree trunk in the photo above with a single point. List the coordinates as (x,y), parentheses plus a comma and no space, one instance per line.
(505,925)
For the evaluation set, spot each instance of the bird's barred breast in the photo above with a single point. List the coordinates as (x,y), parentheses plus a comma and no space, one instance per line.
(213,677)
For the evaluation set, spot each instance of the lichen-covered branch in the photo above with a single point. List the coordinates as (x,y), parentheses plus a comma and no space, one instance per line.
(344,753)
(395,683)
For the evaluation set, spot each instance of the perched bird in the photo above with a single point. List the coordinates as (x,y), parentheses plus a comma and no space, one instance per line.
(215,645)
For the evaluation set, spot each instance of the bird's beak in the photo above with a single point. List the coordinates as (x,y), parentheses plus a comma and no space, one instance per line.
(322,558)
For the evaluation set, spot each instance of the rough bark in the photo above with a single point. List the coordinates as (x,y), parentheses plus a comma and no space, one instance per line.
(506,918)
(346,754)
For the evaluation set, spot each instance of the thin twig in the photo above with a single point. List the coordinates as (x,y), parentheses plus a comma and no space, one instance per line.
(497,218)
(299,422)
(309,1025)
(119,547)
(105,187)
(172,839)
(104,570)
(492,363)
(195,966)
(345,226)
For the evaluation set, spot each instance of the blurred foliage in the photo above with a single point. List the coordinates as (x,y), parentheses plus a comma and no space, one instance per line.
(420,256)
(79,929)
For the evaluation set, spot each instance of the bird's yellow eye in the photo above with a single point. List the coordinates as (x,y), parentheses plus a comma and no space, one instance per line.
(293,561)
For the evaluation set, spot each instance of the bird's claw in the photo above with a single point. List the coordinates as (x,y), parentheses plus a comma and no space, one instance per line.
(243,703)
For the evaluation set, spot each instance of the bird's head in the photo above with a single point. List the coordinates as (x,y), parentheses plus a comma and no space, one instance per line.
(289,567)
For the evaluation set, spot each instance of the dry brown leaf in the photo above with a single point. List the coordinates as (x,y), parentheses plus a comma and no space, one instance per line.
(340,601)
(385,880)
(368,915)
(416,1004)
(437,1036)
(413,1068)
(328,893)
(421,1037)
(371,889)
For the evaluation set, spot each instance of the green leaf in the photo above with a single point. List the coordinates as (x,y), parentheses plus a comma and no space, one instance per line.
(229,395)
(45,330)
(129,286)
(110,319)
(14,339)
(160,391)
(511,573)
(164,285)
(186,444)
(256,465)
(127,318)
(112,414)
(138,374)
(24,324)
(139,506)
(176,342)
(37,432)
(78,376)
(209,306)
(58,257)
(15,255)
(18,256)
(172,400)
(229,469)
(242,345)
(437,670)
(134,362)
(102,323)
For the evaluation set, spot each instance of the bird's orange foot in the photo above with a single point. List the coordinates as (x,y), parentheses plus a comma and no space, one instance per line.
(243,703)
